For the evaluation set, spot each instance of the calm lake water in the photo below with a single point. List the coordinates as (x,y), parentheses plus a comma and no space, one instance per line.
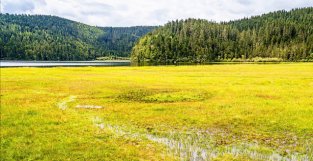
(8,64)
(63,63)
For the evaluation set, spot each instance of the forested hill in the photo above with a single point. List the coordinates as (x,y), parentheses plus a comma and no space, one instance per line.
(278,35)
(119,41)
(39,37)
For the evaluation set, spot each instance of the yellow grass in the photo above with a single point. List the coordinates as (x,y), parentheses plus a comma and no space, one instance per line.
(222,112)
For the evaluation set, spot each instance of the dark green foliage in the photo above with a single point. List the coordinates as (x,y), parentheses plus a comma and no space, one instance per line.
(25,37)
(119,41)
(281,35)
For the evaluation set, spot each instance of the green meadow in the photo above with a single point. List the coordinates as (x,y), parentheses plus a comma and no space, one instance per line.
(207,112)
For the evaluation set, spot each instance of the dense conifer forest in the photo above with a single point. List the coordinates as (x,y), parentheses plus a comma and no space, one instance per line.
(276,36)
(39,37)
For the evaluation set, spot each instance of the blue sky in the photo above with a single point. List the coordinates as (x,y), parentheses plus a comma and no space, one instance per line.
(148,12)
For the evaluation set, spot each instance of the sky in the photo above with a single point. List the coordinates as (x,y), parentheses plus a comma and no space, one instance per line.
(148,12)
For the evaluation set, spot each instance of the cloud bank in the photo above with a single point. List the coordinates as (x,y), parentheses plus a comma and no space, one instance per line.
(148,12)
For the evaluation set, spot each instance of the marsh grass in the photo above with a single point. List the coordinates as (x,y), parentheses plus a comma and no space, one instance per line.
(162,96)
(196,145)
(217,112)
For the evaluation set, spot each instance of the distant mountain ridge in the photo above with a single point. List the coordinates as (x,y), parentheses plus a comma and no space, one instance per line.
(276,36)
(41,37)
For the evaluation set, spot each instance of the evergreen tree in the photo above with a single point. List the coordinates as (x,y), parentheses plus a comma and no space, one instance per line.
(284,35)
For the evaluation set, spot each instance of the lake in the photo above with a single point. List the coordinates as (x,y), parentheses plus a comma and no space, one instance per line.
(63,63)
(8,63)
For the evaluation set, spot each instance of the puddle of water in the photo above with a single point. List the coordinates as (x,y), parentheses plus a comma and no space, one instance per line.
(89,106)
(193,149)
(63,104)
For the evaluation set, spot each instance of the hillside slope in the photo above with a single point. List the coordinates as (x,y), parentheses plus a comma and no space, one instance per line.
(282,35)
(39,37)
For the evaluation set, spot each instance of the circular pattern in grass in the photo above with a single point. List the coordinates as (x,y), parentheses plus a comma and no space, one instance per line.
(176,97)
(157,96)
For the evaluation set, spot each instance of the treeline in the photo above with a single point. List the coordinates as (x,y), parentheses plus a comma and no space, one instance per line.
(280,35)
(39,37)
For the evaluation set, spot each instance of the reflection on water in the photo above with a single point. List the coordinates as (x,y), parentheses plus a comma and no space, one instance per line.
(62,63)
(7,63)
(191,63)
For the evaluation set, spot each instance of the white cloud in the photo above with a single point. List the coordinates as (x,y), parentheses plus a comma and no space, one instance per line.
(148,12)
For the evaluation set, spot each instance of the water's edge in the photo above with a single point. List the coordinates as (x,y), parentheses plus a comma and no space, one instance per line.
(7,64)
(111,63)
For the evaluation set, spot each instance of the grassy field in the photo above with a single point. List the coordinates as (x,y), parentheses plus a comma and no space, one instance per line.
(213,112)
